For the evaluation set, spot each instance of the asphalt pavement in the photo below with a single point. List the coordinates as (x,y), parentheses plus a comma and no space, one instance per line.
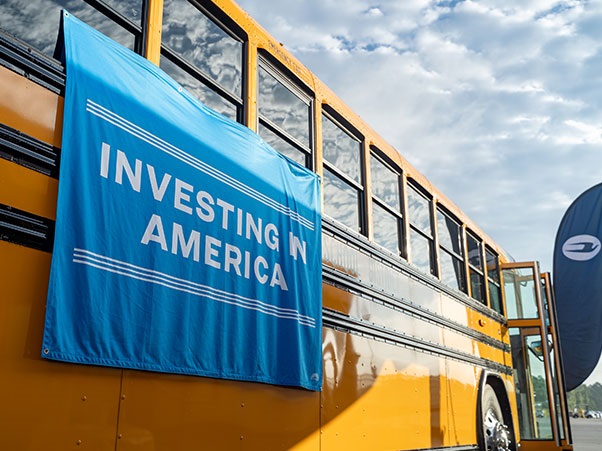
(587,434)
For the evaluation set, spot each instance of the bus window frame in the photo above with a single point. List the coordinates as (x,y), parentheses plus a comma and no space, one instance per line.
(281,75)
(359,187)
(490,281)
(398,212)
(412,185)
(473,269)
(234,32)
(458,258)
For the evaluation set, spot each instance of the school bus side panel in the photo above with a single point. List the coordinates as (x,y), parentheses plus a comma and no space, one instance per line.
(45,405)
(163,411)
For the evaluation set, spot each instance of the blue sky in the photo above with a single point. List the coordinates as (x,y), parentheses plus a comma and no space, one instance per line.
(497,102)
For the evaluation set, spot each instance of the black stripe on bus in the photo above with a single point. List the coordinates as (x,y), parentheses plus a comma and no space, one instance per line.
(30,152)
(349,283)
(356,326)
(26,229)
(31,63)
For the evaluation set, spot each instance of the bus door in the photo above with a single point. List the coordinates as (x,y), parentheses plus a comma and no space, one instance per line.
(539,388)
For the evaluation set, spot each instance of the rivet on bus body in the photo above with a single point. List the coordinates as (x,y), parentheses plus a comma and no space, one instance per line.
(84,397)
(123,397)
(79,442)
(120,436)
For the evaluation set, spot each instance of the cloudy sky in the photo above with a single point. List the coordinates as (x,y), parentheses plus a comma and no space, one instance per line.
(497,102)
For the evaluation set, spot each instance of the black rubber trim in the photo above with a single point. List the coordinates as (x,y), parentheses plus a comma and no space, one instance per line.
(349,283)
(30,152)
(31,63)
(356,326)
(26,229)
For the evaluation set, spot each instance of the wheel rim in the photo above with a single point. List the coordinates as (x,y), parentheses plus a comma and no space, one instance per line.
(497,435)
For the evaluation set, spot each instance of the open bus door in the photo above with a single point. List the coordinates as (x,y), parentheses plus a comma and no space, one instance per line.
(538,377)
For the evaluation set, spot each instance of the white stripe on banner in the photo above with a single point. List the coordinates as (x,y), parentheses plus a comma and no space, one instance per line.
(85,257)
(140,133)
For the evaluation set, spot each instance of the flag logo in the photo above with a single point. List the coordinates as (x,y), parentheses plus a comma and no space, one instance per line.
(581,247)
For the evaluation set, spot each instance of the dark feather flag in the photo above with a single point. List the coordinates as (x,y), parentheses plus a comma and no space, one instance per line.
(578,286)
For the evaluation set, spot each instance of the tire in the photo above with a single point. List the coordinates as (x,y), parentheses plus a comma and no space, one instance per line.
(495,434)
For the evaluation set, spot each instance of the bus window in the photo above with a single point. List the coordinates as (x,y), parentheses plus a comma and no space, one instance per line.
(386,205)
(421,230)
(37,21)
(341,201)
(281,145)
(493,281)
(342,174)
(284,114)
(475,267)
(203,57)
(132,9)
(521,298)
(451,257)
(200,90)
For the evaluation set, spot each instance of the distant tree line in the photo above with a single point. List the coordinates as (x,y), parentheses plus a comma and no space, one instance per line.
(586,397)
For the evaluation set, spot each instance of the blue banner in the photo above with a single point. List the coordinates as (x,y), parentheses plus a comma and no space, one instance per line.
(578,286)
(184,243)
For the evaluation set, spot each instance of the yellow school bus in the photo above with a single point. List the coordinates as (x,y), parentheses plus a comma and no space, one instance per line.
(432,337)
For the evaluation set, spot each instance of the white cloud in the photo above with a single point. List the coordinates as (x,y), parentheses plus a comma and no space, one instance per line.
(582,133)
(502,95)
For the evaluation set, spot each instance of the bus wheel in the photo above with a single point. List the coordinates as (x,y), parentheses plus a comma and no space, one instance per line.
(495,434)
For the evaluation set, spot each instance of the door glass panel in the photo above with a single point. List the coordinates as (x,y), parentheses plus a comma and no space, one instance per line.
(530,379)
(556,386)
(544,300)
(521,298)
